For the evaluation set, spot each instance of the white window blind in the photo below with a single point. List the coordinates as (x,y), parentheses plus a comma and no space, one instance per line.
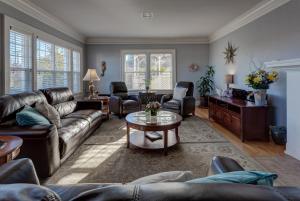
(20,62)
(76,72)
(53,65)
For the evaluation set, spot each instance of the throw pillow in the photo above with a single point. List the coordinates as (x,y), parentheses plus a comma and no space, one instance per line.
(30,116)
(173,176)
(49,112)
(179,93)
(242,177)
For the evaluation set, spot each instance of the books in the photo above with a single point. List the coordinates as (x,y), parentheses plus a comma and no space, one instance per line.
(153,136)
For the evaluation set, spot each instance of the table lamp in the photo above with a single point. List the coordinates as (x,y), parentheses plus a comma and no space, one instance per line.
(91,76)
(229,80)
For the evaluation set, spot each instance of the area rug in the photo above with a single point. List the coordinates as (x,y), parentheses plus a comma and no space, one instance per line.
(104,158)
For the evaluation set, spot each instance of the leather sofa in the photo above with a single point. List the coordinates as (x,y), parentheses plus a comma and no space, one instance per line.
(49,146)
(121,102)
(184,107)
(18,181)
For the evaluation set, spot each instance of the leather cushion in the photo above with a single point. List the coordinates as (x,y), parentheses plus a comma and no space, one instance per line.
(130,103)
(11,104)
(71,133)
(89,115)
(18,171)
(221,164)
(65,108)
(172,104)
(118,87)
(57,95)
(24,192)
(67,192)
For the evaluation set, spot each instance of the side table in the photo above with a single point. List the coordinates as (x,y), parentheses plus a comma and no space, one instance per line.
(10,148)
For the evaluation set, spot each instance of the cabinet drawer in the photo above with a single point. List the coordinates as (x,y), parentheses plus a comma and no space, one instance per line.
(236,124)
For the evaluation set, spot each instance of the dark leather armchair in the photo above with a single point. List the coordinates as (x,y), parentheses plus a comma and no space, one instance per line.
(183,107)
(120,102)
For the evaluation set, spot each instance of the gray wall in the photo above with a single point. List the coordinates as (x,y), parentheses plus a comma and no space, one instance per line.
(271,37)
(185,55)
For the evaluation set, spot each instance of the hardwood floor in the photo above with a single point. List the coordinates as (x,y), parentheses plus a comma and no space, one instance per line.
(268,154)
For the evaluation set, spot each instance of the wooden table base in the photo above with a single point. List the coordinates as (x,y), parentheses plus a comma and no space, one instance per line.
(138,139)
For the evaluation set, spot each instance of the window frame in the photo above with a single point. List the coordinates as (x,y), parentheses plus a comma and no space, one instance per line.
(148,53)
(11,23)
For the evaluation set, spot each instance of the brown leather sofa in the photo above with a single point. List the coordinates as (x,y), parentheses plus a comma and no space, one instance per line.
(49,146)
(18,182)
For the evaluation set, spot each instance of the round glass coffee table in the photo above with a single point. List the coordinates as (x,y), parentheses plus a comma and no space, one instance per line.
(153,133)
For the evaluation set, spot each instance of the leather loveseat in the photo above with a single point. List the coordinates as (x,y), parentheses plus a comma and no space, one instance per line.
(49,146)
(18,182)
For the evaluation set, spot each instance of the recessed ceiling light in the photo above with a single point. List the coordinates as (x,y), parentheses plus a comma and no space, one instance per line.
(147,15)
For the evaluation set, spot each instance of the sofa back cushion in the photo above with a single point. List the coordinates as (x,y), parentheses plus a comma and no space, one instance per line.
(61,99)
(11,104)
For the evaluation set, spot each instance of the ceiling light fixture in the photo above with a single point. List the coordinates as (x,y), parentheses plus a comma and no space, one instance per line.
(147,15)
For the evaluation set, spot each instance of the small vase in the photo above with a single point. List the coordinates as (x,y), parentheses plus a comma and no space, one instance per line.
(153,113)
(260,97)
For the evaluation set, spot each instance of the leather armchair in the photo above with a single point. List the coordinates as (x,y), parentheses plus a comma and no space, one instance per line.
(120,102)
(183,107)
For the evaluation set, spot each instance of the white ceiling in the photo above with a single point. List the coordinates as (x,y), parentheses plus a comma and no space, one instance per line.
(122,18)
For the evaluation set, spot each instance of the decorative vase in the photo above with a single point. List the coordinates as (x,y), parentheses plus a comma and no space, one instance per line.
(153,113)
(260,97)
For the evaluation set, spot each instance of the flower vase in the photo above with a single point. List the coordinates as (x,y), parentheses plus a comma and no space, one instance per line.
(260,97)
(153,116)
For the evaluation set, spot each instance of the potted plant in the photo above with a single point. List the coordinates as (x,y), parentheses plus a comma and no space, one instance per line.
(260,81)
(205,86)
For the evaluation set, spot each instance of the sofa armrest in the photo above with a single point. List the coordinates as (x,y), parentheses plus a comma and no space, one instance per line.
(166,98)
(88,105)
(135,98)
(188,105)
(18,171)
(40,144)
(115,104)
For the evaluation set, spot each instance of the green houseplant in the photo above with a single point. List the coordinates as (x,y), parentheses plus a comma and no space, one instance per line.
(205,86)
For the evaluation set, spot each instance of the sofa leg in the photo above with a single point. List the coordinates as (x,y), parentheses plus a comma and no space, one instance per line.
(193,113)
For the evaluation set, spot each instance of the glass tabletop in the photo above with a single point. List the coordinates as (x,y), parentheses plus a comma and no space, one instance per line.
(162,118)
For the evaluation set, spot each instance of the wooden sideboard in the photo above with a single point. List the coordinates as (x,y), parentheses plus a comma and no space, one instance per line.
(243,118)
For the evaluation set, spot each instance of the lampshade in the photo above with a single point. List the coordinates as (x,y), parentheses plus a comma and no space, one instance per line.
(229,79)
(91,75)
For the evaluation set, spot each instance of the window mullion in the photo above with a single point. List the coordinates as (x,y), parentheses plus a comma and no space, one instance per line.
(34,62)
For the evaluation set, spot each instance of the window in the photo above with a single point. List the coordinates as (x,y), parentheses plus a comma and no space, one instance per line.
(20,62)
(158,66)
(53,65)
(161,68)
(76,72)
(135,71)
(36,60)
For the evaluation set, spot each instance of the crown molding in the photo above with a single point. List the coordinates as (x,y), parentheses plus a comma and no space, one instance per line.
(251,15)
(112,40)
(40,14)
(283,64)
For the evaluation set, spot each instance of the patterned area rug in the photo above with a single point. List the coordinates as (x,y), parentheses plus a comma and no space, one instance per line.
(103,157)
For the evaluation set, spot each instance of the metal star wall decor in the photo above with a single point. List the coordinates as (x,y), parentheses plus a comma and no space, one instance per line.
(230,53)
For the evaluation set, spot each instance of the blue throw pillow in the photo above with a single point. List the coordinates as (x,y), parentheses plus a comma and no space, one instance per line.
(241,177)
(30,116)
